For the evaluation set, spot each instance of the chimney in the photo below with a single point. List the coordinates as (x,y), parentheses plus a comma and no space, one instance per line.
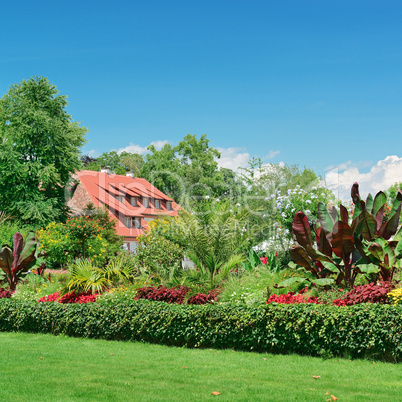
(130,174)
(105,169)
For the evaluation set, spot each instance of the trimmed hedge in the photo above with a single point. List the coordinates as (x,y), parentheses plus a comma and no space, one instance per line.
(366,330)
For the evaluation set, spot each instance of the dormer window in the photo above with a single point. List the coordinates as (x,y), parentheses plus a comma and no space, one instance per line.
(169,205)
(134,202)
(145,202)
(158,204)
(133,222)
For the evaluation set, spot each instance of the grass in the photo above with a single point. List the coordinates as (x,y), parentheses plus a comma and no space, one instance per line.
(49,368)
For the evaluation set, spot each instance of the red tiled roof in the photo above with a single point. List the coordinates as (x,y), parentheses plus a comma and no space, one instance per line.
(103,189)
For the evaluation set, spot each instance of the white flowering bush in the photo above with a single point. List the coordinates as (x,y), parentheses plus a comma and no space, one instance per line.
(294,200)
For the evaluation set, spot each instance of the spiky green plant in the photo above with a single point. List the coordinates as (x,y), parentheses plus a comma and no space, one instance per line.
(215,239)
(85,276)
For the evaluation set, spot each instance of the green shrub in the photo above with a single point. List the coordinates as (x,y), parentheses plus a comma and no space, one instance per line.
(366,330)
(157,255)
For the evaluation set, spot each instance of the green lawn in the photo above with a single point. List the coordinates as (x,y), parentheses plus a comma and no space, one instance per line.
(49,368)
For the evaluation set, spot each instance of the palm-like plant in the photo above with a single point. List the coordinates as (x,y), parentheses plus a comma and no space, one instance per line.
(85,276)
(215,239)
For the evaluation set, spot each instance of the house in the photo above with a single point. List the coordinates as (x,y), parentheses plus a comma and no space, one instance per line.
(131,201)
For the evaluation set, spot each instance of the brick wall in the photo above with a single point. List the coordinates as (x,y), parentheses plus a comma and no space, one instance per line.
(79,201)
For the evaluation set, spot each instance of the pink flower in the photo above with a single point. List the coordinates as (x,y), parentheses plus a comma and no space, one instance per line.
(264,260)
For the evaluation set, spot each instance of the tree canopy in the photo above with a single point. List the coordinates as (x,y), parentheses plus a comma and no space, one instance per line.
(40,149)
(118,163)
(189,171)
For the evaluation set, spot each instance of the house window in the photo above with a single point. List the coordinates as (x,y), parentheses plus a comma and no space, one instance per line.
(119,198)
(157,204)
(145,202)
(169,205)
(134,201)
(133,222)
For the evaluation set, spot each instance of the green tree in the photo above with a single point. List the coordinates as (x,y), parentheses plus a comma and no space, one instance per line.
(161,168)
(110,160)
(190,171)
(117,163)
(40,146)
(132,162)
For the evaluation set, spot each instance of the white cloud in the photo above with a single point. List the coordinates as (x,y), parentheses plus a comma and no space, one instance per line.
(380,177)
(138,149)
(271,154)
(233,158)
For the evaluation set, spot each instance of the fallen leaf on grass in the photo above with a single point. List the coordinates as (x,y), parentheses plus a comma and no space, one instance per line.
(111,354)
(334,398)
(327,393)
(316,377)
(184,367)
(312,389)
(264,358)
(41,358)
(216,393)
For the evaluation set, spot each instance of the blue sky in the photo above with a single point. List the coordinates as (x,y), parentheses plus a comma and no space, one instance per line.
(317,83)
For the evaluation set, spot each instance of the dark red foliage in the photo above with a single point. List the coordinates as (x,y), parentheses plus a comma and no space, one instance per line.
(174,295)
(370,293)
(5,293)
(162,293)
(70,297)
(203,298)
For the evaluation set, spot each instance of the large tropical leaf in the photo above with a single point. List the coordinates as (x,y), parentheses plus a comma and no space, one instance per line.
(354,193)
(325,218)
(6,260)
(368,268)
(368,226)
(344,214)
(323,281)
(301,229)
(316,255)
(342,240)
(27,253)
(323,244)
(369,203)
(300,257)
(291,281)
(379,201)
(389,227)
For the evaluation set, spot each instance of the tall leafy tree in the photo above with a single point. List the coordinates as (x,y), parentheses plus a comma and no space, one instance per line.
(190,171)
(132,162)
(117,163)
(40,149)
(161,168)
